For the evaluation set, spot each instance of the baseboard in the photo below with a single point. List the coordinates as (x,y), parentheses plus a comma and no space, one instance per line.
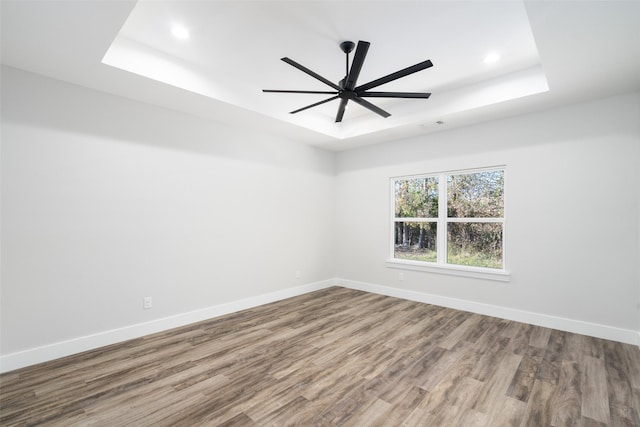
(49,352)
(627,336)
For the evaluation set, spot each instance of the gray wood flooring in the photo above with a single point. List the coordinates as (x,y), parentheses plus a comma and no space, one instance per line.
(337,357)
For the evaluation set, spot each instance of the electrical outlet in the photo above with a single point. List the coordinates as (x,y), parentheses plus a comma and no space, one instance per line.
(298,274)
(147,303)
(400,276)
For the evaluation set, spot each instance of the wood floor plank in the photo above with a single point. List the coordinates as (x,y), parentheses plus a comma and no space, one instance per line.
(473,418)
(522,382)
(636,403)
(401,407)
(549,370)
(621,399)
(281,414)
(567,402)
(588,422)
(442,367)
(416,418)
(595,395)
(450,415)
(441,395)
(508,413)
(240,420)
(462,332)
(336,357)
(631,362)
(573,348)
(489,359)
(495,389)
(521,339)
(370,414)
(539,337)
(538,412)
(426,367)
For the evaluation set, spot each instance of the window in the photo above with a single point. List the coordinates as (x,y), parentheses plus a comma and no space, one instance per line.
(450,220)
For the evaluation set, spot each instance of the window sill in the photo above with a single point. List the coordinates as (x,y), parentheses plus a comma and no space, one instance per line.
(453,270)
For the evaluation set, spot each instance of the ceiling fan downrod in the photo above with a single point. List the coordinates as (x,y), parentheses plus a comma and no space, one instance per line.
(347,47)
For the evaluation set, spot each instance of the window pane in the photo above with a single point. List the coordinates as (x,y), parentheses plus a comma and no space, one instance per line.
(416,198)
(476,244)
(476,195)
(415,241)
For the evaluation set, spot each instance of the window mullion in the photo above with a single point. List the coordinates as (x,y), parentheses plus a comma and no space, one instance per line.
(442,219)
(476,219)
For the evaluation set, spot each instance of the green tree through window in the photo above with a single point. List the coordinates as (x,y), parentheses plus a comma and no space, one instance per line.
(470,223)
(416,203)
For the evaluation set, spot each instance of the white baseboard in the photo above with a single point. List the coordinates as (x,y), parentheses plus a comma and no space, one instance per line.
(49,352)
(627,336)
(53,351)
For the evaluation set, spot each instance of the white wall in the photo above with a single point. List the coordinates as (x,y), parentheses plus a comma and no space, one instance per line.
(106,201)
(572,210)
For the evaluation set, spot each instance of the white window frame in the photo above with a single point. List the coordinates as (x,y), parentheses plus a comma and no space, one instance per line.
(441,266)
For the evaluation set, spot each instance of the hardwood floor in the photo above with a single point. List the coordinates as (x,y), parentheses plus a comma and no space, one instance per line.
(337,357)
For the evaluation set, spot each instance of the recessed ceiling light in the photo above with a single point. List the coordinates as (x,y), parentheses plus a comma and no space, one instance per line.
(180,32)
(491,58)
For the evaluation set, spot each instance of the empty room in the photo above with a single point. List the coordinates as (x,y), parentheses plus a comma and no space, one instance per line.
(320,213)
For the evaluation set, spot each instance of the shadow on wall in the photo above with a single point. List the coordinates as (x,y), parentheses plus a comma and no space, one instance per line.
(38,101)
(611,116)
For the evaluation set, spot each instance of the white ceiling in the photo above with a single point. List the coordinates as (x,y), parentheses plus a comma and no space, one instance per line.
(553,53)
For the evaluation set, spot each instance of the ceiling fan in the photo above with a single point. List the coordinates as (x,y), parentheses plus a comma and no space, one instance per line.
(347,90)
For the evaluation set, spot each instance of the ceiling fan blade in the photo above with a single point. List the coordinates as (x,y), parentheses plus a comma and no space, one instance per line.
(311,73)
(341,109)
(394,95)
(300,91)
(370,106)
(356,65)
(394,76)
(314,105)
